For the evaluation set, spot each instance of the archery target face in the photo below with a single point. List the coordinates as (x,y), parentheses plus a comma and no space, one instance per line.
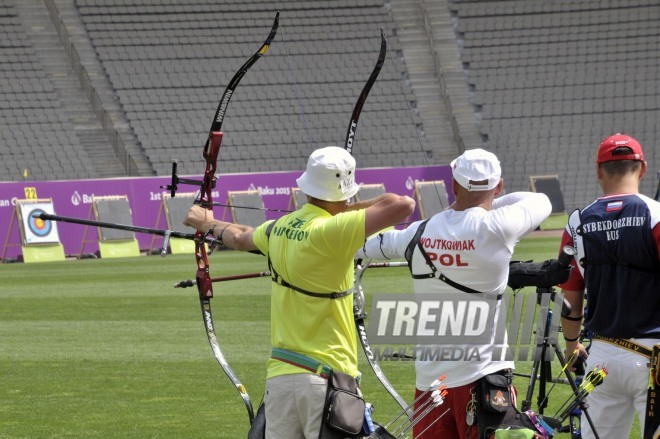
(36,230)
(40,228)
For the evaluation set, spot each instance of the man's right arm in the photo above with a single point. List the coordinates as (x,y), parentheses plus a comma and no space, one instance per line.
(384,211)
(571,325)
(388,245)
(520,213)
(573,292)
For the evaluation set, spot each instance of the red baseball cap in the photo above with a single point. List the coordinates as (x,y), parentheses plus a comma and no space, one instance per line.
(609,149)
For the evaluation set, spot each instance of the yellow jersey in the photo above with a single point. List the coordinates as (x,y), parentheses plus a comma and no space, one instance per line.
(313,250)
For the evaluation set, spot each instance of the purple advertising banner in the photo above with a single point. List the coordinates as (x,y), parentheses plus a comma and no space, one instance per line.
(74,198)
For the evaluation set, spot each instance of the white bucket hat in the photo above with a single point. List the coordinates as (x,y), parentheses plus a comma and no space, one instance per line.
(330,175)
(477,170)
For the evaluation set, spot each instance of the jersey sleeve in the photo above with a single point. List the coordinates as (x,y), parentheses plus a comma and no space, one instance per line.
(575,282)
(515,215)
(654,208)
(388,245)
(345,232)
(260,239)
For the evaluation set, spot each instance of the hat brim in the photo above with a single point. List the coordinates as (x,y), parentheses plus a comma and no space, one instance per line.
(315,191)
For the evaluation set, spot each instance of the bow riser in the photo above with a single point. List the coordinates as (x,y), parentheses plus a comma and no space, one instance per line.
(211,152)
(204,283)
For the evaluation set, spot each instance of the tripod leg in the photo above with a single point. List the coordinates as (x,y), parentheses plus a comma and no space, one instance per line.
(546,376)
(527,402)
(574,423)
(543,328)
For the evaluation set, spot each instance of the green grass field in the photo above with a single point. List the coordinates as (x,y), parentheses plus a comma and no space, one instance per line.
(107,348)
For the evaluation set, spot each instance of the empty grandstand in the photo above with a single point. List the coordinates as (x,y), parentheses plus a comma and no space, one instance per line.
(112,88)
(551,79)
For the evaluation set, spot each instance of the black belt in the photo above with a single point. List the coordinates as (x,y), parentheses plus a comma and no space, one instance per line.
(626,344)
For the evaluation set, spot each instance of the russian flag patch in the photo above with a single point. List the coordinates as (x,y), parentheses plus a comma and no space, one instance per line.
(613,206)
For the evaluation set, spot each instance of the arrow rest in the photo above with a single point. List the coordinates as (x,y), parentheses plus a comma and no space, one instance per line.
(213,244)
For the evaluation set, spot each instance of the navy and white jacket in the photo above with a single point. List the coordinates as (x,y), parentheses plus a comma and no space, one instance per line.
(617,239)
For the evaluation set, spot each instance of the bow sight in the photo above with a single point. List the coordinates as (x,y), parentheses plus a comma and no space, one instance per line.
(173,187)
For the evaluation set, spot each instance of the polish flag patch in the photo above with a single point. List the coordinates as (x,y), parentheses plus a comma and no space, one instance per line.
(614,206)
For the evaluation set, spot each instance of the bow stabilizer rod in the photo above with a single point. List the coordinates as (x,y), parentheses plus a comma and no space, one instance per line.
(190,282)
(165,233)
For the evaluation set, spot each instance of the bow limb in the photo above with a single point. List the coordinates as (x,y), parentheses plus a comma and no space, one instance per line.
(205,199)
(352,126)
(358,292)
(212,147)
(360,315)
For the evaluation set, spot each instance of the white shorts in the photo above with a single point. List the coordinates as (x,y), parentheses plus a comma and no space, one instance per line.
(613,404)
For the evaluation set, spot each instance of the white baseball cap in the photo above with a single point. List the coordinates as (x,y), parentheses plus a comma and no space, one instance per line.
(330,175)
(477,170)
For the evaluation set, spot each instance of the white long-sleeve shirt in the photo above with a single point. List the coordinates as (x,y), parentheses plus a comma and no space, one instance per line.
(473,248)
